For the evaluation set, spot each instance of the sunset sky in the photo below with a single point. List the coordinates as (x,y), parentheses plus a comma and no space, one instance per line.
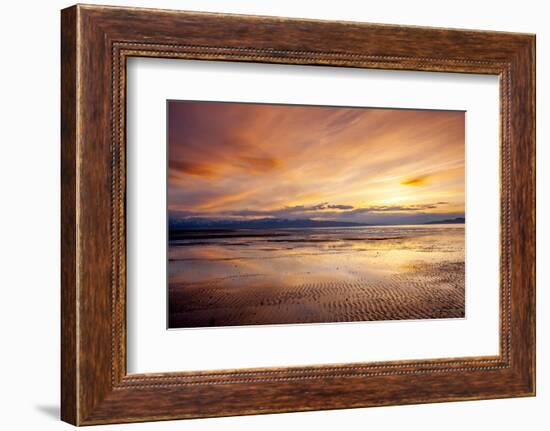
(244,161)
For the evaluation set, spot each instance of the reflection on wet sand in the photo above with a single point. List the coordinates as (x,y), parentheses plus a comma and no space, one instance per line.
(284,276)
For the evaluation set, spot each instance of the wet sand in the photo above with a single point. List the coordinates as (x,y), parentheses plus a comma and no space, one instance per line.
(318,275)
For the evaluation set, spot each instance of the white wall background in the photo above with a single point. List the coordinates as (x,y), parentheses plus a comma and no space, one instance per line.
(29,224)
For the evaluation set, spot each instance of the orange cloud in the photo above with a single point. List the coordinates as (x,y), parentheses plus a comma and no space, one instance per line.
(259,164)
(219,202)
(416,181)
(190,168)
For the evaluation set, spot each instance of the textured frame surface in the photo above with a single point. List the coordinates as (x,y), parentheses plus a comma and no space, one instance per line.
(96,41)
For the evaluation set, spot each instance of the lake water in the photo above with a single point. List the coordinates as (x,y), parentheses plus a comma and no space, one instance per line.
(287,276)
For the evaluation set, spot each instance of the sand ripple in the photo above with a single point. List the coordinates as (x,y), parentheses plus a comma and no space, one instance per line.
(420,290)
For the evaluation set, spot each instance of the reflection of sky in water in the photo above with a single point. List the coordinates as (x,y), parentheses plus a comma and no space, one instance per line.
(288,256)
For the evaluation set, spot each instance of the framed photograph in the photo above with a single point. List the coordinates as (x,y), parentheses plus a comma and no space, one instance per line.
(264,215)
(262,230)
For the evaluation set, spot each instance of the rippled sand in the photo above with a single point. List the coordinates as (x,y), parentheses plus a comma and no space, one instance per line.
(317,275)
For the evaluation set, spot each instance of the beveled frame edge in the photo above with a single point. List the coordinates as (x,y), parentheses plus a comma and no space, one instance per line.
(96,41)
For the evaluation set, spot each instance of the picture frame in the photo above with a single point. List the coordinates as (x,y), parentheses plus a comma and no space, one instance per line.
(96,42)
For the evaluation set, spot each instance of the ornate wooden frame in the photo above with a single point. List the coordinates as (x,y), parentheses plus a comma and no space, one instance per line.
(96,41)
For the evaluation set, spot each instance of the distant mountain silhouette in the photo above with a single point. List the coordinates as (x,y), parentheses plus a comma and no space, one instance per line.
(448,221)
(265,223)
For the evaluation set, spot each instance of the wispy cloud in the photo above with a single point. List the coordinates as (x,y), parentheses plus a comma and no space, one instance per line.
(251,160)
(183,167)
(319,207)
(416,181)
(322,211)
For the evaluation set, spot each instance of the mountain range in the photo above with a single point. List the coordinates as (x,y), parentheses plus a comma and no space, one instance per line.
(274,223)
